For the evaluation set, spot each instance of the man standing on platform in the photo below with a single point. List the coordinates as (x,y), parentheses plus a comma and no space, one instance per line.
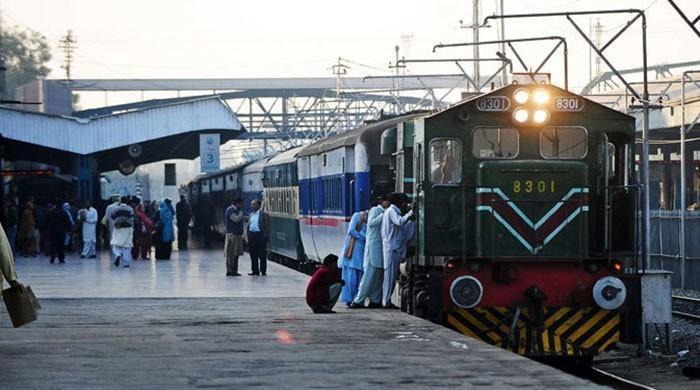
(58,224)
(183,213)
(89,218)
(392,242)
(371,282)
(107,219)
(258,232)
(123,234)
(233,247)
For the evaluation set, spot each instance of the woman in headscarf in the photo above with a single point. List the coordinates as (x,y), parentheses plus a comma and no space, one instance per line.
(27,236)
(164,230)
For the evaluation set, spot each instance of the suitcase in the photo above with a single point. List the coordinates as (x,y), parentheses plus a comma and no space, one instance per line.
(21,305)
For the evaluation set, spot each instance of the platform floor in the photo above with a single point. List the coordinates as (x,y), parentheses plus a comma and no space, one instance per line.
(183,324)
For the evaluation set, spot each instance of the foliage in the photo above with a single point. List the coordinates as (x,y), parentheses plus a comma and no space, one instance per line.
(25,53)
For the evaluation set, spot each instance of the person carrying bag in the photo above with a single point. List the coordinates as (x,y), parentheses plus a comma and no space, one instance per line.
(20,300)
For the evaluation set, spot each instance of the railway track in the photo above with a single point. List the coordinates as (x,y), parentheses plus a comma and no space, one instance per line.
(605,378)
(686,307)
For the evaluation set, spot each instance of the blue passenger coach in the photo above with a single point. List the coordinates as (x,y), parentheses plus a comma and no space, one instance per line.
(337,177)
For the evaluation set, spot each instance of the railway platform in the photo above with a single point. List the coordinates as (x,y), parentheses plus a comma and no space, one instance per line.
(183,324)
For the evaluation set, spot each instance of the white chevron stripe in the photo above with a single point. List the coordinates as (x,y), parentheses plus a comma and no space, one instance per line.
(539,223)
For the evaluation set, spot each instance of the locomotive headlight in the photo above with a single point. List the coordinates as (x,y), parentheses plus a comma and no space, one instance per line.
(540,96)
(521,115)
(466,291)
(521,96)
(609,293)
(540,116)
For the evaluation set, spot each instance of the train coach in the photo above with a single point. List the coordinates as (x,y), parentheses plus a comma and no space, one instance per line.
(526,214)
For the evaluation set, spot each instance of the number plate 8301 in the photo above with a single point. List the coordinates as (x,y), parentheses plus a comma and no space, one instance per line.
(530,186)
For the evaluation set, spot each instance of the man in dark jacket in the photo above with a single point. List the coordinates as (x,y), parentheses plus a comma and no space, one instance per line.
(258,233)
(324,287)
(183,213)
(58,224)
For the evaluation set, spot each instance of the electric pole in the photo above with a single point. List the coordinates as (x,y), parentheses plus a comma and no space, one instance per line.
(475,26)
(598,35)
(339,69)
(67,44)
(2,65)
(397,67)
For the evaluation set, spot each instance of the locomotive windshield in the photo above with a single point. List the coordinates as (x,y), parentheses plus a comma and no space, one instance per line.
(494,142)
(446,161)
(563,142)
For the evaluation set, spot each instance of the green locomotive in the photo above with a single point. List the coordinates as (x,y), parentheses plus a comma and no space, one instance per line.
(526,200)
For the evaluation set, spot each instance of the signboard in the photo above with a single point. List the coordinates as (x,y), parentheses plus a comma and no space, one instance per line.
(209,152)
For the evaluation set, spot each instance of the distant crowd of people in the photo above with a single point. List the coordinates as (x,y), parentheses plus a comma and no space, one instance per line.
(129,226)
(375,244)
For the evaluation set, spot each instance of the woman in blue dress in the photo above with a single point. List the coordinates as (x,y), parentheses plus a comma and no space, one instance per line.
(352,256)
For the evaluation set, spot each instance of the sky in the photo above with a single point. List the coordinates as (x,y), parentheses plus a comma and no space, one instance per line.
(277,38)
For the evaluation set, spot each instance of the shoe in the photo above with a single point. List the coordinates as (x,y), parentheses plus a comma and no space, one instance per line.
(391,306)
(51,261)
(93,257)
(117,261)
(229,273)
(373,305)
(236,274)
(254,274)
(82,257)
(264,274)
(61,262)
(355,305)
(127,266)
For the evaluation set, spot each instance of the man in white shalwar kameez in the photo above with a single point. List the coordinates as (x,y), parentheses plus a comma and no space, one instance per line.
(107,219)
(89,218)
(123,238)
(371,282)
(392,243)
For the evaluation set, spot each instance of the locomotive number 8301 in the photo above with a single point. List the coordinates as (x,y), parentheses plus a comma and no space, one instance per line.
(530,186)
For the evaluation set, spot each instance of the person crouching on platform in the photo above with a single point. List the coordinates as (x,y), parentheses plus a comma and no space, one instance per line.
(353,253)
(123,237)
(324,287)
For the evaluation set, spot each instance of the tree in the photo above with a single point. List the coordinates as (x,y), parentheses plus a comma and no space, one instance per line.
(25,54)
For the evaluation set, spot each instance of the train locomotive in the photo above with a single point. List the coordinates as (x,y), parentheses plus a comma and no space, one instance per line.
(525,209)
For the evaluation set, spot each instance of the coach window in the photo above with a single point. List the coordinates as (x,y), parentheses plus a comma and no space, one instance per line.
(563,143)
(445,161)
(495,143)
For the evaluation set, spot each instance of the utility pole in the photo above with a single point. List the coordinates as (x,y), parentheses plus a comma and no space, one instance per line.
(475,27)
(397,67)
(339,70)
(2,66)
(67,44)
(598,35)
(504,73)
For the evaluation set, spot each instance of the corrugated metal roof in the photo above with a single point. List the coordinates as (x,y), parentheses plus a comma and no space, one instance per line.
(86,136)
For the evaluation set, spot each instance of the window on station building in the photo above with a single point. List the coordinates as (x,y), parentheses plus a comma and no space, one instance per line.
(563,142)
(495,143)
(445,161)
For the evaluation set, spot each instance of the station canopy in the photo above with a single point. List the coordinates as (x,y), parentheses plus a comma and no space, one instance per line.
(142,135)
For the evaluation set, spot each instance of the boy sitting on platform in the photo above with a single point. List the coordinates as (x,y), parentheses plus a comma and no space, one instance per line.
(324,287)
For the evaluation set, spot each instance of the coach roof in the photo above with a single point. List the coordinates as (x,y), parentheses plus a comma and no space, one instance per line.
(353,136)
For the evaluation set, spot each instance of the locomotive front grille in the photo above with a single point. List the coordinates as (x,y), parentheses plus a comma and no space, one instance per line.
(565,331)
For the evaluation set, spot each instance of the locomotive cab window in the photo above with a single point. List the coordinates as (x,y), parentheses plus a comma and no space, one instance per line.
(563,142)
(494,142)
(445,161)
